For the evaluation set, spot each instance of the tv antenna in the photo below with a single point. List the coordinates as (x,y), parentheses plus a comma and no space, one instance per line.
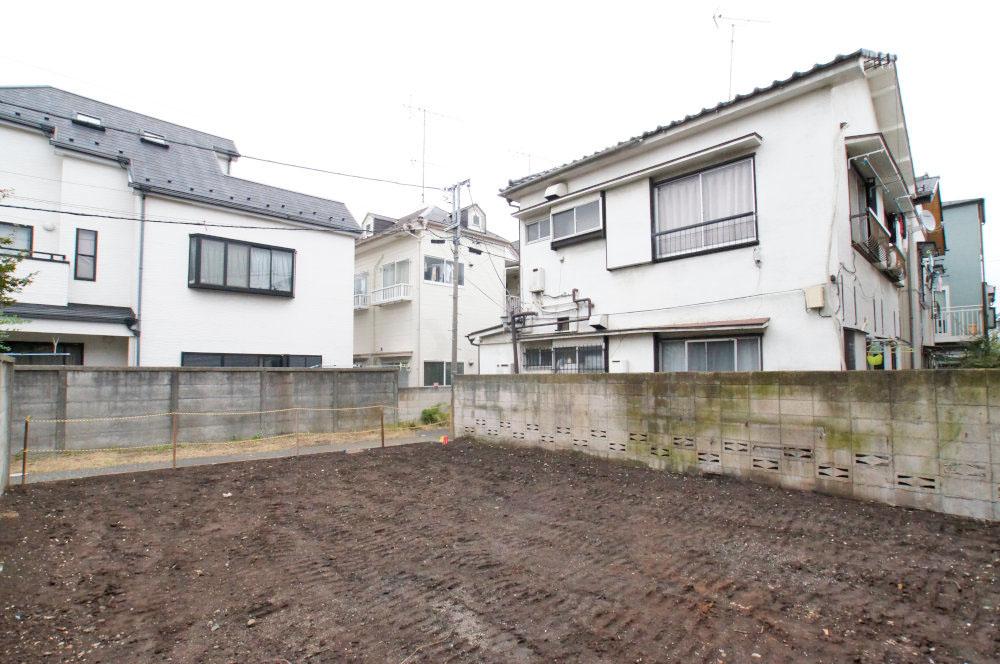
(424,112)
(718,19)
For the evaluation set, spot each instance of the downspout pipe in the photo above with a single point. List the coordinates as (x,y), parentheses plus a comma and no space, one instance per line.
(913,286)
(137,328)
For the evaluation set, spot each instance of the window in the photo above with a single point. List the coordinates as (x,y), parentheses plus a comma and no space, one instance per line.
(395,273)
(86,255)
(730,354)
(224,264)
(537,358)
(581,219)
(250,360)
(536,230)
(441,271)
(361,283)
(21,238)
(708,210)
(439,373)
(45,353)
(88,121)
(578,359)
(562,324)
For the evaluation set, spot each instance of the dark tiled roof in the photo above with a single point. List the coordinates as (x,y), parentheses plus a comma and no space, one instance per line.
(189,168)
(88,313)
(635,140)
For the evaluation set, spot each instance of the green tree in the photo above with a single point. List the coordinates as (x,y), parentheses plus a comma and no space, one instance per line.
(984,353)
(10,283)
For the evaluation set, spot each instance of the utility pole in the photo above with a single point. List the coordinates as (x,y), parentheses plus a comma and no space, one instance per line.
(456,220)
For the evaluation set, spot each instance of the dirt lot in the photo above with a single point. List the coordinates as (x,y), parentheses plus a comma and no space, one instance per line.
(478,553)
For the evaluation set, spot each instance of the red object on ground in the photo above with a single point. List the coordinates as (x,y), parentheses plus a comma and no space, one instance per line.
(444,440)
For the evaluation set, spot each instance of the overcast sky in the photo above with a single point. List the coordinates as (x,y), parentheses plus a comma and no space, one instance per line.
(510,87)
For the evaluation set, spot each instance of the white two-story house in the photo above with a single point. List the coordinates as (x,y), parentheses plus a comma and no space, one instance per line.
(769,232)
(146,251)
(404,270)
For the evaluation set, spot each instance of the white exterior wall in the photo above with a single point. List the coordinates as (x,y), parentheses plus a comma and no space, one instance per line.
(421,328)
(803,233)
(175,318)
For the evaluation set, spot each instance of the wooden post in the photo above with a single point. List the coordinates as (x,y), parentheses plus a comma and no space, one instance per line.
(381,417)
(173,437)
(24,452)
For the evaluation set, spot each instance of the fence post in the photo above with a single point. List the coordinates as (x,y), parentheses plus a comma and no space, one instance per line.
(173,437)
(24,452)
(381,417)
(295,426)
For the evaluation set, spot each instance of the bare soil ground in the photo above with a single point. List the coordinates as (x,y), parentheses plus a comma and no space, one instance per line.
(472,552)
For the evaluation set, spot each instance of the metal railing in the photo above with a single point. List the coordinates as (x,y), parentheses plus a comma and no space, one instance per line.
(361,300)
(706,236)
(34,255)
(959,323)
(389,294)
(873,241)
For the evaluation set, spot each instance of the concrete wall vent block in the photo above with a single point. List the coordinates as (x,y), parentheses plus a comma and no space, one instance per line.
(660,451)
(709,458)
(469,430)
(830,471)
(736,446)
(871,459)
(505,424)
(799,453)
(517,435)
(581,443)
(492,432)
(959,469)
(638,437)
(563,431)
(598,433)
(764,464)
(684,443)
(616,447)
(548,438)
(917,482)
(531,427)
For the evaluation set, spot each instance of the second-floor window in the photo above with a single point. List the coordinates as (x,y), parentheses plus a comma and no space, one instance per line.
(224,264)
(394,274)
(713,209)
(442,271)
(21,238)
(360,283)
(536,230)
(86,255)
(575,221)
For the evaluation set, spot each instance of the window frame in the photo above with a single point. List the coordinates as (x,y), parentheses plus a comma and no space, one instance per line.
(445,262)
(381,274)
(285,359)
(194,276)
(654,186)
(577,234)
(734,338)
(538,222)
(20,252)
(363,275)
(446,375)
(77,254)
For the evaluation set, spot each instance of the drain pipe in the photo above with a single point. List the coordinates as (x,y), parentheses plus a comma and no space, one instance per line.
(914,286)
(137,328)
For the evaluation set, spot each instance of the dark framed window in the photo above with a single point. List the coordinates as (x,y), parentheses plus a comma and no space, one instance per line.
(219,263)
(250,360)
(536,230)
(576,221)
(705,211)
(85,264)
(537,358)
(439,373)
(22,239)
(43,353)
(441,271)
(711,354)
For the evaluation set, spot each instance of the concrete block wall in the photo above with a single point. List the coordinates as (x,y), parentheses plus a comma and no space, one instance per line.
(925,439)
(92,395)
(413,400)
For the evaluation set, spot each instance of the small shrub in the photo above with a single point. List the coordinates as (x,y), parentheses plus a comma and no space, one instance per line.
(433,415)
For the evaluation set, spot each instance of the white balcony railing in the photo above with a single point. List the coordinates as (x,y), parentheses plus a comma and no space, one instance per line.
(361,300)
(390,294)
(959,323)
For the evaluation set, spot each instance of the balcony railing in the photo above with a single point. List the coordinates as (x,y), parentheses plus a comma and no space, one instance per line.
(361,300)
(390,294)
(957,324)
(34,255)
(873,241)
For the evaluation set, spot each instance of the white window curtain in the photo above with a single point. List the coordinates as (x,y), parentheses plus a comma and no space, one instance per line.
(260,268)
(728,191)
(213,256)
(281,270)
(238,266)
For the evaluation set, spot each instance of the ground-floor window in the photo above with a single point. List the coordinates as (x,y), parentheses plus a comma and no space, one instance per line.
(564,359)
(719,354)
(46,353)
(439,373)
(250,360)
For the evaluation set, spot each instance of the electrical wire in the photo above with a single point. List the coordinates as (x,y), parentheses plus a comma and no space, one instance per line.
(172,141)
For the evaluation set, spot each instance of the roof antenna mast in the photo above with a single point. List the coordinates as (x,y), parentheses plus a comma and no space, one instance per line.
(718,18)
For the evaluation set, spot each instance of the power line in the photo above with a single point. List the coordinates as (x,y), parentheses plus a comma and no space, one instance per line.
(172,141)
(158,221)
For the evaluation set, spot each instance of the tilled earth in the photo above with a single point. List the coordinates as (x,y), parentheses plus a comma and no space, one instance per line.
(471,552)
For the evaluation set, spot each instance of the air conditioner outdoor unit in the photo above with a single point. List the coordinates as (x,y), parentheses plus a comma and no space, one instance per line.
(598,321)
(537,282)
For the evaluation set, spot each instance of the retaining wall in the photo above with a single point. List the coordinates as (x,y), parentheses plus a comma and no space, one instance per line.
(85,392)
(925,439)
(413,400)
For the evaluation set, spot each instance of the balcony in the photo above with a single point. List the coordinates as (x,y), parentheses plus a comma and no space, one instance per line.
(873,241)
(958,324)
(391,294)
(361,301)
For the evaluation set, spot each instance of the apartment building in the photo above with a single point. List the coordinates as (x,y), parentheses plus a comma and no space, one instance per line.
(146,251)
(774,231)
(404,270)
